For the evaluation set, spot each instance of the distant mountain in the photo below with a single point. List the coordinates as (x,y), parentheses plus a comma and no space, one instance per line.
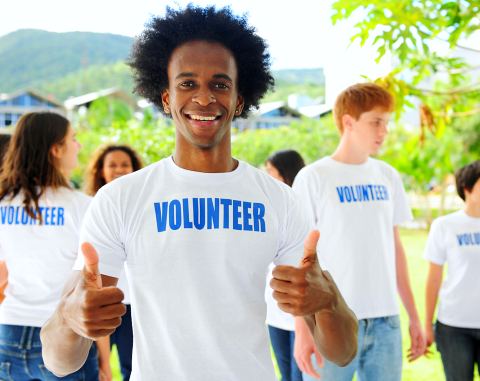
(76,63)
(314,77)
(33,58)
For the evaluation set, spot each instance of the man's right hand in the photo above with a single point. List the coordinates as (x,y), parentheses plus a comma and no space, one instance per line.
(88,309)
(304,347)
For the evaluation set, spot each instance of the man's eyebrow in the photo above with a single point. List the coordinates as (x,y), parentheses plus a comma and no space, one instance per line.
(222,76)
(185,75)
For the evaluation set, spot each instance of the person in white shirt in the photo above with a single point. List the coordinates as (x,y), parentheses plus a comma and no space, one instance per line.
(357,203)
(454,239)
(40,220)
(283,165)
(197,230)
(107,163)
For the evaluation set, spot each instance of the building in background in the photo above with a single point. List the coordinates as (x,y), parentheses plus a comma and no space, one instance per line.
(268,115)
(18,103)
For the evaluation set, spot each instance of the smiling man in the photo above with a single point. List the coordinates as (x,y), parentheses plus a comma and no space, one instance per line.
(357,203)
(197,230)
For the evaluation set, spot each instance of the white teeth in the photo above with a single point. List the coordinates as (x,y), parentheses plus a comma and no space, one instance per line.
(198,117)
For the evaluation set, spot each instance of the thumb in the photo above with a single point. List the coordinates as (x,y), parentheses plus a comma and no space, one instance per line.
(310,251)
(90,269)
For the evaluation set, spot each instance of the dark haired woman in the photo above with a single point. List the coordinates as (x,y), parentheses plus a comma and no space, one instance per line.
(40,218)
(455,239)
(108,163)
(282,165)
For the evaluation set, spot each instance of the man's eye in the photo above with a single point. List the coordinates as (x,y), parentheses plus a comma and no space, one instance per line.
(186,84)
(222,86)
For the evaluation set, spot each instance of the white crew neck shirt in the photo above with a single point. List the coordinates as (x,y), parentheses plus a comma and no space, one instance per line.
(197,247)
(39,258)
(455,239)
(355,208)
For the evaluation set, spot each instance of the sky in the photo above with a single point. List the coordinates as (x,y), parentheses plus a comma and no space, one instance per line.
(300,33)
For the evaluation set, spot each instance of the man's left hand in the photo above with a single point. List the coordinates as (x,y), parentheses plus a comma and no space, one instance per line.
(306,289)
(417,348)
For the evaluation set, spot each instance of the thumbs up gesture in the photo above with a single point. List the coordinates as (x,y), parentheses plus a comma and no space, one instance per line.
(92,311)
(306,289)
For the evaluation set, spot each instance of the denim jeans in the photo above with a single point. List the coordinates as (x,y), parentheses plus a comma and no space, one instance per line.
(123,339)
(282,344)
(21,357)
(460,350)
(379,355)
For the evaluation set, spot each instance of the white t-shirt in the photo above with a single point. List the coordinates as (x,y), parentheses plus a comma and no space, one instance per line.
(275,316)
(197,247)
(355,208)
(39,258)
(455,239)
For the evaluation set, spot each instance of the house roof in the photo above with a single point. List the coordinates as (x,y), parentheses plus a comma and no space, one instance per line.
(314,111)
(35,93)
(267,107)
(87,98)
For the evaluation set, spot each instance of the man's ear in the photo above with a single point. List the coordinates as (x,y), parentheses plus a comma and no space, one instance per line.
(347,122)
(166,101)
(239,105)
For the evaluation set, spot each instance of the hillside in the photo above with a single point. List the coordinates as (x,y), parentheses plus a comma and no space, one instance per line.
(33,58)
(52,63)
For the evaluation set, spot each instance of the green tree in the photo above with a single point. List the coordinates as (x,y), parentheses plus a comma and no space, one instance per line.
(406,27)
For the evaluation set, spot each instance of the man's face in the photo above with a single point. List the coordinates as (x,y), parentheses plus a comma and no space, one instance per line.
(203,92)
(369,131)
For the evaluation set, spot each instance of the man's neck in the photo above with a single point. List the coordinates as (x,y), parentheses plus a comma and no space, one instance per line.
(213,160)
(347,153)
(473,210)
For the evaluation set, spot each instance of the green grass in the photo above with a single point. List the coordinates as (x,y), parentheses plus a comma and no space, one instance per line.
(421,370)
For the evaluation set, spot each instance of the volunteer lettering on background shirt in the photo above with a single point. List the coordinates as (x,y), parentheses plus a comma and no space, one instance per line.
(344,214)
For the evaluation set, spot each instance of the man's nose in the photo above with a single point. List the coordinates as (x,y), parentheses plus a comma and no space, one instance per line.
(204,96)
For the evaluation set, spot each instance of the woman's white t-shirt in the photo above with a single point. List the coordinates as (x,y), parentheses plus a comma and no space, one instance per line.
(455,239)
(39,258)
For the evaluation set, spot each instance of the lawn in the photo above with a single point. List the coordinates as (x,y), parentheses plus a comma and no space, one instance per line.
(423,369)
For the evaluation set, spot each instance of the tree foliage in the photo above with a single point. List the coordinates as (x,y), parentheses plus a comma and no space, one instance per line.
(407,28)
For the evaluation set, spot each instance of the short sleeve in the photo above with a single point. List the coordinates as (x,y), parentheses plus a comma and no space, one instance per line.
(303,188)
(435,250)
(402,211)
(103,228)
(297,224)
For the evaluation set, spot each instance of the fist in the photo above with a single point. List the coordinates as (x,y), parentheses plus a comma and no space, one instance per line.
(91,310)
(306,289)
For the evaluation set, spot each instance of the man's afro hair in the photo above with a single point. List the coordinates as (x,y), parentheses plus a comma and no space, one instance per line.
(151,52)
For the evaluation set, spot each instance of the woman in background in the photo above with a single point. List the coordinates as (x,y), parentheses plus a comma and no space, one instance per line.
(40,220)
(455,239)
(108,163)
(282,165)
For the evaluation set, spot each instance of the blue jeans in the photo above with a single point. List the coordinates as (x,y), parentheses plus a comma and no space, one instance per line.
(21,357)
(123,339)
(460,350)
(282,344)
(379,355)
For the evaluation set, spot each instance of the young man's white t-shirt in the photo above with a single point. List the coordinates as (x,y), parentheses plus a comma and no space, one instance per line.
(275,316)
(355,208)
(39,258)
(197,247)
(455,239)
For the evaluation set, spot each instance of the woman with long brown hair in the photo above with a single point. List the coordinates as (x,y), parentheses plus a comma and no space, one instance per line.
(40,220)
(108,163)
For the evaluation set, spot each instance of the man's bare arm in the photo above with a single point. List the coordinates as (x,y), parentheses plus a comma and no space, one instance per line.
(312,293)
(90,308)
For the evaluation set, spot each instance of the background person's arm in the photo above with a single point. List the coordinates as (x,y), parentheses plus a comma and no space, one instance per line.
(89,309)
(3,273)
(105,370)
(417,347)
(434,281)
